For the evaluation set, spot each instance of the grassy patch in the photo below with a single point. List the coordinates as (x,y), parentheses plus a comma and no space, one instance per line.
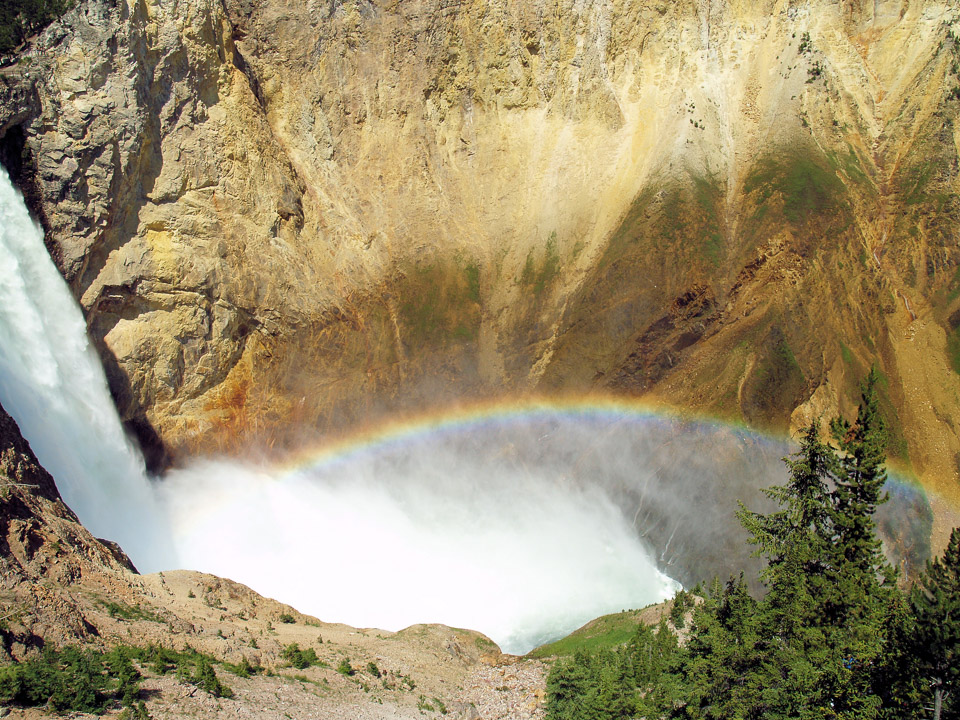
(472,274)
(806,187)
(953,349)
(604,633)
(914,181)
(846,354)
(707,194)
(896,439)
(953,287)
(686,218)
(440,303)
(777,382)
(120,611)
(539,273)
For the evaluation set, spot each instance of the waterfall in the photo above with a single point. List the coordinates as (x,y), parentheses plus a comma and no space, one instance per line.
(53,385)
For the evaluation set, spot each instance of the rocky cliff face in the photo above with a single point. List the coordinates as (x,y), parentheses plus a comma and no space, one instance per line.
(287,216)
(47,554)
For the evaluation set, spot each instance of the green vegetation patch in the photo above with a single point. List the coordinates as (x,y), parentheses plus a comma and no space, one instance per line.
(440,302)
(301,659)
(92,680)
(682,219)
(604,633)
(953,349)
(119,611)
(846,354)
(806,185)
(71,680)
(776,384)
(896,440)
(914,182)
(539,272)
(834,636)
(19,19)
(189,665)
(628,681)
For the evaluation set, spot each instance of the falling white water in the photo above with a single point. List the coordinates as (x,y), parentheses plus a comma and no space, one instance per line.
(52,383)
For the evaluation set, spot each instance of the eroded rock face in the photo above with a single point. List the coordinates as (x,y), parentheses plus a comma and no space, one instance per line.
(47,554)
(284,217)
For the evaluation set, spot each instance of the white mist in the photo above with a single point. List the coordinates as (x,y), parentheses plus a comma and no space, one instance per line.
(519,556)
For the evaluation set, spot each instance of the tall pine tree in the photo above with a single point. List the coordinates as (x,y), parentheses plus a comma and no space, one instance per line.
(935,640)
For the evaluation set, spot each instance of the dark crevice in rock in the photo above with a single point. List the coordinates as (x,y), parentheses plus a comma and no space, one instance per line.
(156,457)
(17,159)
(241,64)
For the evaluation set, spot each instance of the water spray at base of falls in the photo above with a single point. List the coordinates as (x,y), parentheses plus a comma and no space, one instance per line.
(519,557)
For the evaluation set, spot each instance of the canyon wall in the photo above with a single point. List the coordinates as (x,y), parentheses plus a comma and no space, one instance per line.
(284,218)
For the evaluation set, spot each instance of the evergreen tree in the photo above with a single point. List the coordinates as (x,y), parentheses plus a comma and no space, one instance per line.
(935,640)
(720,673)
(829,638)
(860,597)
(859,486)
(796,539)
(823,620)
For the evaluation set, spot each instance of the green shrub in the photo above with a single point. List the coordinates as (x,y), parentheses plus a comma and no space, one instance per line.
(205,678)
(298,658)
(119,611)
(71,680)
(243,668)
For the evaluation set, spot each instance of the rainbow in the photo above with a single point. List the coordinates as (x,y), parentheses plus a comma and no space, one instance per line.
(479,415)
(460,419)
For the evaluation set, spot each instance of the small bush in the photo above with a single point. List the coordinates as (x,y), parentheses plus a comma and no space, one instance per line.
(119,611)
(298,658)
(244,668)
(287,618)
(205,678)
(190,666)
(345,668)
